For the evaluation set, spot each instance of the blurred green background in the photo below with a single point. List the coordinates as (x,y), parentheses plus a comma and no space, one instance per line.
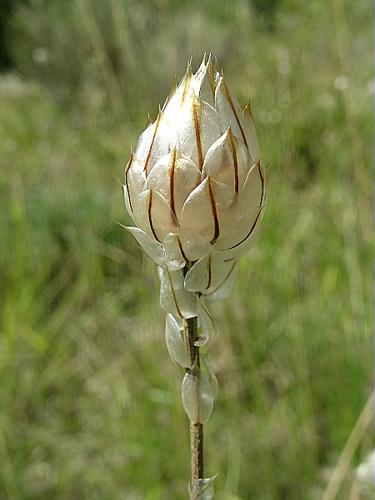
(89,398)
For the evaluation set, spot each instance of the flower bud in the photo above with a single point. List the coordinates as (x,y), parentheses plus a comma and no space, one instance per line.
(195,187)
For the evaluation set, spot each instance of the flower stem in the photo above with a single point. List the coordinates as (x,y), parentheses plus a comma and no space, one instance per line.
(196,428)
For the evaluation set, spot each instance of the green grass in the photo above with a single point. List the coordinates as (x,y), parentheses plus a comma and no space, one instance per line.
(89,399)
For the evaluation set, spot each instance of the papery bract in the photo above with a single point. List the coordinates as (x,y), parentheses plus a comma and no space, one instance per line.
(195,188)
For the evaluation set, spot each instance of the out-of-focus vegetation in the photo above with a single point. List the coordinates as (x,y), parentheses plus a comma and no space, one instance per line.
(89,399)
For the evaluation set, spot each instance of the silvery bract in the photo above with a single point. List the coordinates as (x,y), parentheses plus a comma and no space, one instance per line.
(195,189)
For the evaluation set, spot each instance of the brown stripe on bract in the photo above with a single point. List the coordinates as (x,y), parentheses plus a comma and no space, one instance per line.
(225,279)
(174,296)
(209,273)
(263,182)
(152,142)
(129,164)
(171,182)
(197,126)
(234,157)
(181,249)
(248,234)
(150,217)
(187,80)
(214,212)
(227,95)
(211,75)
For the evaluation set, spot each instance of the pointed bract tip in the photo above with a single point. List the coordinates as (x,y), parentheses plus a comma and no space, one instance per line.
(129,163)
(160,115)
(184,82)
(167,99)
(188,66)
(207,64)
(203,65)
(247,109)
(212,63)
(220,80)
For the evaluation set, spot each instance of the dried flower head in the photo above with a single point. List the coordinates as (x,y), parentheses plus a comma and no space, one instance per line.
(195,188)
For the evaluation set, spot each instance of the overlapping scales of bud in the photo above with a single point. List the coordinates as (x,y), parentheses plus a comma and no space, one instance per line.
(195,189)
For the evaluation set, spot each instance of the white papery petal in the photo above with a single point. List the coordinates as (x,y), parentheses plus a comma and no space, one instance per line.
(227,161)
(161,217)
(197,398)
(194,246)
(229,111)
(197,127)
(208,392)
(186,178)
(237,220)
(224,195)
(144,143)
(140,211)
(197,216)
(252,194)
(199,393)
(238,231)
(205,321)
(174,299)
(207,210)
(127,201)
(150,247)
(177,99)
(203,84)
(190,400)
(198,276)
(210,126)
(250,133)
(226,287)
(154,143)
(152,213)
(173,252)
(135,183)
(174,178)
(157,179)
(244,235)
(218,163)
(207,275)
(175,341)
